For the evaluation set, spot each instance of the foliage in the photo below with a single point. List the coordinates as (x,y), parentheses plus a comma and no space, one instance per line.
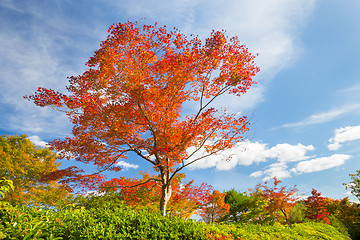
(239,204)
(24,164)
(95,201)
(132,96)
(280,201)
(316,207)
(108,223)
(297,213)
(348,213)
(142,193)
(246,208)
(336,223)
(187,198)
(215,209)
(354,185)
(121,222)
(299,231)
(5,186)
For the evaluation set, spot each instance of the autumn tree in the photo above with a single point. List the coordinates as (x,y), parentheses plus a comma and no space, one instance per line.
(133,98)
(280,199)
(24,164)
(354,185)
(347,212)
(141,193)
(316,207)
(215,209)
(188,198)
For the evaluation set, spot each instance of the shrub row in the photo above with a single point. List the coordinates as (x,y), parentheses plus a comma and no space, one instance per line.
(124,223)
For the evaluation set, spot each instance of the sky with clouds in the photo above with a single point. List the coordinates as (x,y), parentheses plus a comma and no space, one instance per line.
(304,111)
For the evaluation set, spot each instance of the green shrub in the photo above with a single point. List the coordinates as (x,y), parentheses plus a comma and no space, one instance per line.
(121,222)
(109,223)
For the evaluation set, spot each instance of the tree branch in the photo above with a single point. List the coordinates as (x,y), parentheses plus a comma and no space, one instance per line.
(135,185)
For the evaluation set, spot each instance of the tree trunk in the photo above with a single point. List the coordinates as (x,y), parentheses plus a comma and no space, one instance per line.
(286,218)
(165,191)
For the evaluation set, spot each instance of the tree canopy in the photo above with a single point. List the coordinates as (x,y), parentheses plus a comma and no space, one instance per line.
(131,99)
(24,164)
(141,193)
(280,199)
(215,209)
(316,207)
(354,185)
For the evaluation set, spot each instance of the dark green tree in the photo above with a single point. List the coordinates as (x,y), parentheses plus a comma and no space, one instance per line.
(240,204)
(354,185)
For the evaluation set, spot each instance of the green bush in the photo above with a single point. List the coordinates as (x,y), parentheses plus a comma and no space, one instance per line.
(109,223)
(121,222)
(299,231)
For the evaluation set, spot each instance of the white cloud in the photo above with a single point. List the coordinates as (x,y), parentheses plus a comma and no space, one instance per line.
(323,117)
(37,141)
(290,153)
(279,170)
(247,153)
(342,135)
(284,154)
(257,174)
(126,165)
(244,153)
(319,164)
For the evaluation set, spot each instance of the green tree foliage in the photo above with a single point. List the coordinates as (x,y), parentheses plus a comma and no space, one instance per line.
(348,213)
(336,223)
(258,208)
(354,185)
(97,201)
(24,164)
(280,199)
(241,206)
(5,186)
(297,213)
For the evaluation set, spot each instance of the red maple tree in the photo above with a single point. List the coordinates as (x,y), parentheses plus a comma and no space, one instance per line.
(131,99)
(185,199)
(215,208)
(279,199)
(316,207)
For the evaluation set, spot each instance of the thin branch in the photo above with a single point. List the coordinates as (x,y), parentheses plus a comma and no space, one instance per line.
(135,185)
(187,164)
(133,148)
(222,91)
(150,126)
(201,145)
(111,164)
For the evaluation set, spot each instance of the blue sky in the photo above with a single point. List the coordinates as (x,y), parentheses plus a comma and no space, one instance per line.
(304,110)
